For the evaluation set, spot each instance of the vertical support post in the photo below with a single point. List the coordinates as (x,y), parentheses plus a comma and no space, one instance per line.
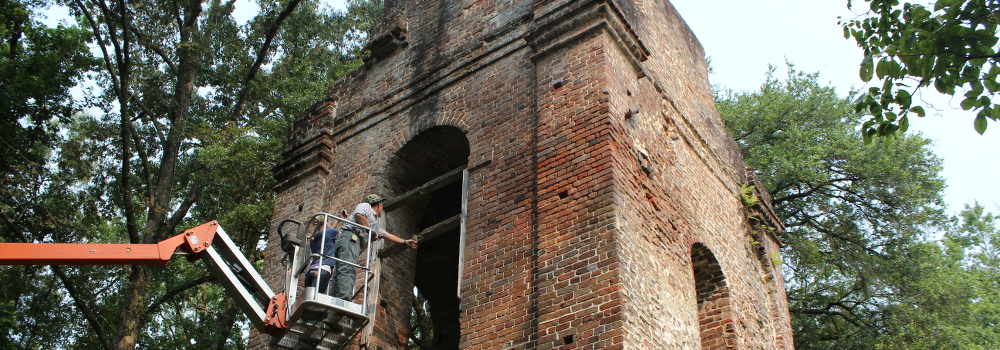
(375,264)
(461,228)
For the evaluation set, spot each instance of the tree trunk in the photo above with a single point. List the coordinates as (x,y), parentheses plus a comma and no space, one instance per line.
(223,329)
(134,312)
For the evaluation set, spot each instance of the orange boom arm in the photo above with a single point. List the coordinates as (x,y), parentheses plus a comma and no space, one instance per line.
(193,241)
(266,310)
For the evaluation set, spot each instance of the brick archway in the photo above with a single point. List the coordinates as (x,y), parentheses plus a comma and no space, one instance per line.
(715,316)
(423,160)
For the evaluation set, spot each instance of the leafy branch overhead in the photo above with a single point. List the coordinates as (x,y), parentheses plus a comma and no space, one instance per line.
(952,46)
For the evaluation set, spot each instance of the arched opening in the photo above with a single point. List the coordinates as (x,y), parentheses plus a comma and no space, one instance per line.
(714,310)
(425,176)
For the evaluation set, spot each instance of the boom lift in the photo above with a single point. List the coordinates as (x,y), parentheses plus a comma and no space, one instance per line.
(317,321)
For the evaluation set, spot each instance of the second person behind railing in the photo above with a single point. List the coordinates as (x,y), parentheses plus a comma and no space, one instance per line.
(323,242)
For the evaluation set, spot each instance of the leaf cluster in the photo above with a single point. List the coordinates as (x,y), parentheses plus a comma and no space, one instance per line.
(952,46)
(749,197)
(38,65)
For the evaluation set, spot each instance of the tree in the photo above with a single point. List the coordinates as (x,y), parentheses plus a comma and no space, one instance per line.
(947,296)
(952,46)
(188,119)
(973,239)
(38,65)
(862,268)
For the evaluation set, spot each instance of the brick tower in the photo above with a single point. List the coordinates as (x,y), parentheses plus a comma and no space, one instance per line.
(565,169)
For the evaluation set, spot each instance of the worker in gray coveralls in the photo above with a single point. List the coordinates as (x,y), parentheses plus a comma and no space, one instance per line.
(349,243)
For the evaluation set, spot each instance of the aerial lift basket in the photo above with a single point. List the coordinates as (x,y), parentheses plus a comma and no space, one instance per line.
(319,320)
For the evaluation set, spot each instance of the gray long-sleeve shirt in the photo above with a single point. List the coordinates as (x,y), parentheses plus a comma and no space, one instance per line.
(369,213)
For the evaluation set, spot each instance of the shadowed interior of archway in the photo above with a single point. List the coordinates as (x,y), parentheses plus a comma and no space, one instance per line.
(427,156)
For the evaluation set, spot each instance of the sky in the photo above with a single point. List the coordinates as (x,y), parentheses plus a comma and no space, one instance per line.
(743,37)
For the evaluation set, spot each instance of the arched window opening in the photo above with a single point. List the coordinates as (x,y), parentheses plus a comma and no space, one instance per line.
(426,178)
(714,310)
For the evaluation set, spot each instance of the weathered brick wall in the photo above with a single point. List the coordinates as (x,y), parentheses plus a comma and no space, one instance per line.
(578,285)
(691,191)
(597,165)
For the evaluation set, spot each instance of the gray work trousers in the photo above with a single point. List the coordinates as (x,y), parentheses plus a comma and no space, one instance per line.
(348,247)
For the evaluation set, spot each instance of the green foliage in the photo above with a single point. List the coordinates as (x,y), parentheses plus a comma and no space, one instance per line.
(776,259)
(38,65)
(947,295)
(30,292)
(865,263)
(860,264)
(952,45)
(421,335)
(749,197)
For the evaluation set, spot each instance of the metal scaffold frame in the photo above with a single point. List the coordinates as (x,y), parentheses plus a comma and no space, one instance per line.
(316,319)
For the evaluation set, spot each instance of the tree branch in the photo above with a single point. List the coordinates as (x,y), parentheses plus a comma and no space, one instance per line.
(100,42)
(81,305)
(224,326)
(16,232)
(813,189)
(148,112)
(825,312)
(189,58)
(423,324)
(145,42)
(126,170)
(119,55)
(816,226)
(272,31)
(15,36)
(142,156)
(155,305)
(120,83)
(143,39)
(124,74)
(266,112)
(798,195)
(190,198)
